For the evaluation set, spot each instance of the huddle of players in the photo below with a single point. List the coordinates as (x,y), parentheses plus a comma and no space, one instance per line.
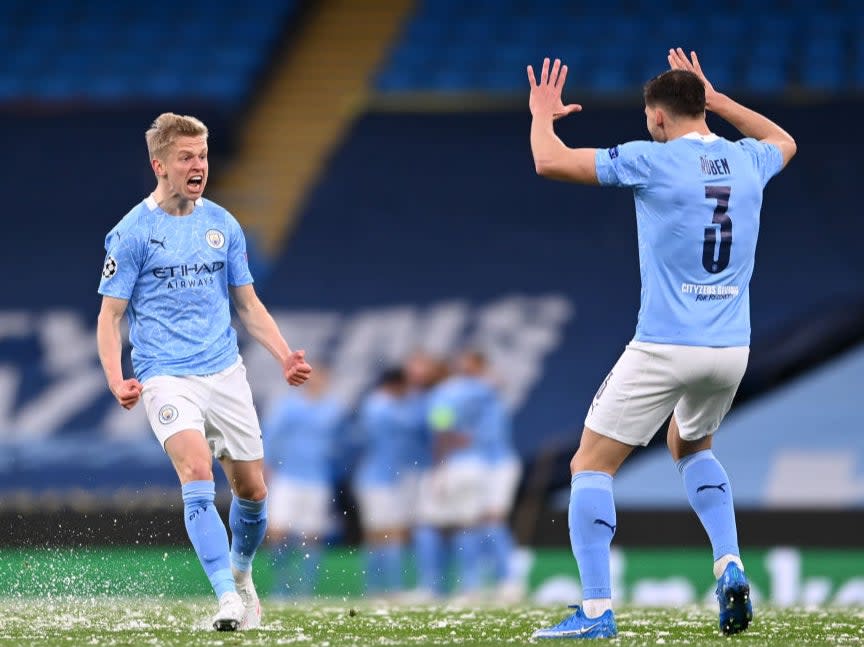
(433,473)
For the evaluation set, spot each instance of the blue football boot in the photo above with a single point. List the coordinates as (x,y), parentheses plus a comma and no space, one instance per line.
(578,626)
(733,594)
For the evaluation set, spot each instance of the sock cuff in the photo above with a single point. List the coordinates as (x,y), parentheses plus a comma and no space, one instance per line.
(198,490)
(687,461)
(250,506)
(594,480)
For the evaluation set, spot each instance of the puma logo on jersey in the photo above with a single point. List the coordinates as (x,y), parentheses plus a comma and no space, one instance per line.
(161,243)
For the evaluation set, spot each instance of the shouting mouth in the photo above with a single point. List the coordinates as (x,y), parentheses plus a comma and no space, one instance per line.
(195,183)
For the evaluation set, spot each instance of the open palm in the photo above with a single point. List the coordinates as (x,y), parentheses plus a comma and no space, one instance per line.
(545,96)
(678,61)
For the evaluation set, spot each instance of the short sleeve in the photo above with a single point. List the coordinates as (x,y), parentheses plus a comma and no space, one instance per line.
(626,165)
(238,258)
(122,266)
(767,158)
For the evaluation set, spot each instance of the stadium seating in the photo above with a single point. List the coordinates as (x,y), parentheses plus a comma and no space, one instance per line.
(102,51)
(613,47)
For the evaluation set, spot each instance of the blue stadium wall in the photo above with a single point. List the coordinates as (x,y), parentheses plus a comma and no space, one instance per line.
(424,229)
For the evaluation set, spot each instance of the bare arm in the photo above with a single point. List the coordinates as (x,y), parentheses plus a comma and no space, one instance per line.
(552,158)
(109,342)
(261,325)
(749,122)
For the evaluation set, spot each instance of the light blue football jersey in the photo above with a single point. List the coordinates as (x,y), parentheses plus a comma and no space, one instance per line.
(300,436)
(387,426)
(698,199)
(175,272)
(499,441)
(419,450)
(469,406)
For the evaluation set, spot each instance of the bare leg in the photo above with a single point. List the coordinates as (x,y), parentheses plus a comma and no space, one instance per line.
(190,455)
(598,453)
(679,448)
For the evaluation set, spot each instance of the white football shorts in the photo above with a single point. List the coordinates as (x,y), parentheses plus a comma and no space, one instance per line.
(298,507)
(453,494)
(218,405)
(650,381)
(385,507)
(501,485)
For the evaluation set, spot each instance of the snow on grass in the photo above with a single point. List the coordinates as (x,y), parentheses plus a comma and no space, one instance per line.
(110,622)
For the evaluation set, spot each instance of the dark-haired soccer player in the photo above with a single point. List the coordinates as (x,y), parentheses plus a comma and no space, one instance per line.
(381,482)
(698,198)
(171,264)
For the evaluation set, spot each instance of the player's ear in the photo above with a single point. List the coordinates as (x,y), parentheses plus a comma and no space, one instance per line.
(158,167)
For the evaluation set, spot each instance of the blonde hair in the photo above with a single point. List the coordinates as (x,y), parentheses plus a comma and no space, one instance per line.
(167,127)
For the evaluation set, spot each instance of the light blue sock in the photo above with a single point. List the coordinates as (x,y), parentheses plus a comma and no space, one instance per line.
(592,524)
(429,552)
(374,570)
(498,544)
(207,534)
(710,495)
(391,566)
(467,550)
(248,521)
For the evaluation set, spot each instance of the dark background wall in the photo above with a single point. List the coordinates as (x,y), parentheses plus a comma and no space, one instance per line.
(419,209)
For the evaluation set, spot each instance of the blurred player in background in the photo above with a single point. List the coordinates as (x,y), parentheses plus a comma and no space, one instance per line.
(381,481)
(423,372)
(465,414)
(698,198)
(503,470)
(172,263)
(300,436)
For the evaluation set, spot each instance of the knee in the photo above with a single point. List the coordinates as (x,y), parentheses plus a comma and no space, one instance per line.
(195,471)
(251,491)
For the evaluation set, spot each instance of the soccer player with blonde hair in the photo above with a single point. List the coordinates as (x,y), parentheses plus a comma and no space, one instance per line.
(174,263)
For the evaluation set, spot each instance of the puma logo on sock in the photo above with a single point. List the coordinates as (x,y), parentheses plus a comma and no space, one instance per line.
(721,487)
(600,522)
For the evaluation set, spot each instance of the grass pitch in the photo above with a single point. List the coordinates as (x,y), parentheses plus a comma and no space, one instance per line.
(131,621)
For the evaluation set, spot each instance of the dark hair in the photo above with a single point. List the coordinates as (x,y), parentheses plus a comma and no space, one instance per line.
(681,92)
(391,377)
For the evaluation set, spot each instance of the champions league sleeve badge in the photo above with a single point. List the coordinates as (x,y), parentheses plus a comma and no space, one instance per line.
(109,269)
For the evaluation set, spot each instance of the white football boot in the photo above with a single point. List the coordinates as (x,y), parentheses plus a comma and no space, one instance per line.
(251,603)
(230,614)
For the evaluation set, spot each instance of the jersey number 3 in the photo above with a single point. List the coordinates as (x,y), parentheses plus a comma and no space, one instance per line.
(718,235)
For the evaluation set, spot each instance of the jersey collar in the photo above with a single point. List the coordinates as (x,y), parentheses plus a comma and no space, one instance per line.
(710,137)
(151,203)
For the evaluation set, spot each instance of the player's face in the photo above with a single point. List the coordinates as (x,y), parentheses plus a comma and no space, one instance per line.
(419,370)
(185,167)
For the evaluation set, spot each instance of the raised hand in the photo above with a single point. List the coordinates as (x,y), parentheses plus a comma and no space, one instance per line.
(678,61)
(545,99)
(127,392)
(295,369)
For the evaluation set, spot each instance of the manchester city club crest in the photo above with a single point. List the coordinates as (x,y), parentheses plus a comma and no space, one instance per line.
(215,238)
(168,414)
